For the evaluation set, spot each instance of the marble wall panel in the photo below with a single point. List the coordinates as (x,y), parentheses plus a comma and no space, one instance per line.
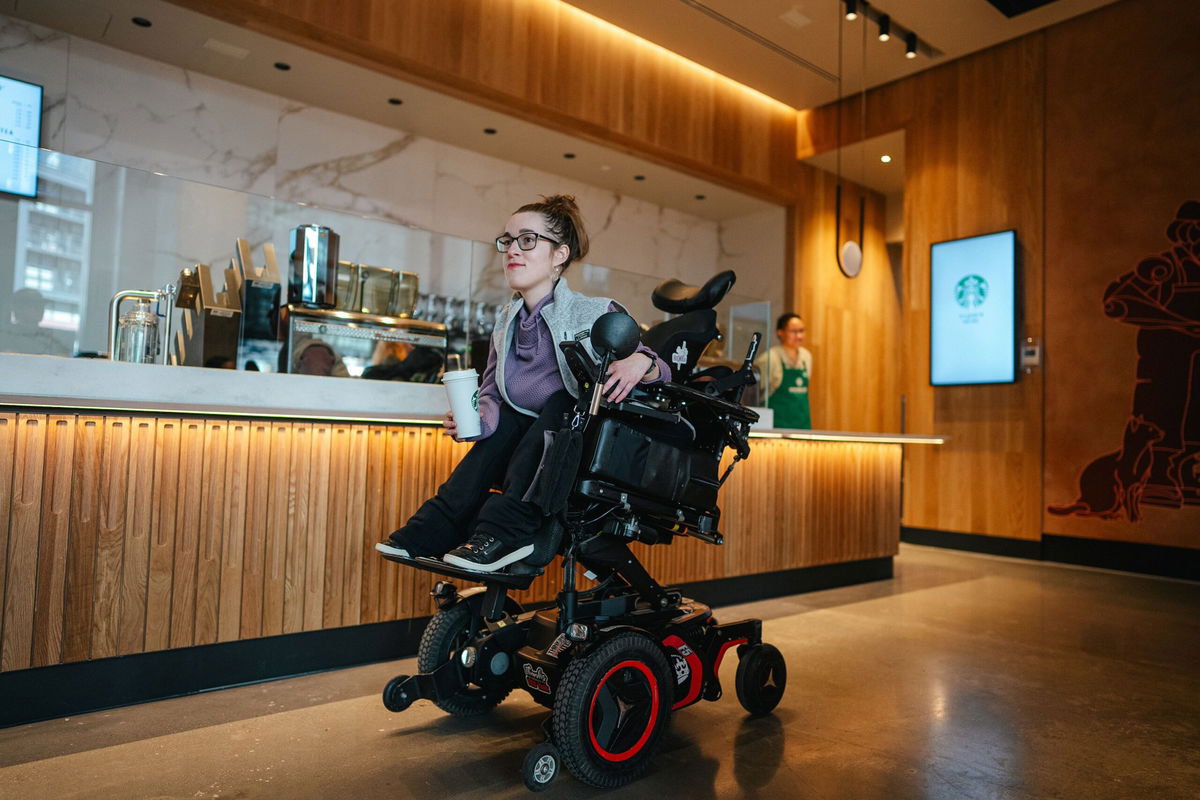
(32,53)
(128,110)
(446,203)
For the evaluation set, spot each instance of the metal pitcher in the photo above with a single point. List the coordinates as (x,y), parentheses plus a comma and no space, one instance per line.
(314,259)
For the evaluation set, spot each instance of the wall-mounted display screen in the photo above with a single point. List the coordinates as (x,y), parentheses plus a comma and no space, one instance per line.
(20,136)
(973,310)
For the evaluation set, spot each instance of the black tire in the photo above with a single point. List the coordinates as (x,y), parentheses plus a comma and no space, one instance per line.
(541,767)
(628,671)
(444,636)
(392,699)
(761,678)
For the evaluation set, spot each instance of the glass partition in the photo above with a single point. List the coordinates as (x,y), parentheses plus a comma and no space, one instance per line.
(97,229)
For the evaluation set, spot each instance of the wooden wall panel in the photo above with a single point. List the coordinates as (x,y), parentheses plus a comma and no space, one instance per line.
(187,532)
(974,135)
(16,651)
(853,325)
(1121,160)
(110,536)
(296,559)
(81,554)
(135,568)
(163,520)
(233,532)
(582,77)
(52,541)
(258,494)
(318,516)
(131,534)
(280,507)
(8,457)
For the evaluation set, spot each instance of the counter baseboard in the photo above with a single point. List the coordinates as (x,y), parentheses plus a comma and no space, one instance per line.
(64,690)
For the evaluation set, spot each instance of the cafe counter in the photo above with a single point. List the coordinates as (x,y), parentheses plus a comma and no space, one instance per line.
(176,528)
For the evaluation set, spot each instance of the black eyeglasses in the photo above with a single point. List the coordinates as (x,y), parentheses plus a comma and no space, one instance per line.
(526,241)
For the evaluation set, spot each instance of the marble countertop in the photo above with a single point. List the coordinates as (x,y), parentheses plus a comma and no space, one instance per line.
(82,383)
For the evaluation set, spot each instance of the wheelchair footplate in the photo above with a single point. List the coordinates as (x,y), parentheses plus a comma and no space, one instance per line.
(515,576)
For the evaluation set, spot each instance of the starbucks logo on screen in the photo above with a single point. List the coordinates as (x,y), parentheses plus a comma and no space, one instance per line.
(971,291)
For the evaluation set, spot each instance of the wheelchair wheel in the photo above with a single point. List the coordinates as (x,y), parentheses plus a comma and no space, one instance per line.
(761,678)
(447,633)
(540,767)
(612,707)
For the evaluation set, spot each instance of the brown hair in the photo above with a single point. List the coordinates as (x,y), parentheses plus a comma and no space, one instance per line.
(565,221)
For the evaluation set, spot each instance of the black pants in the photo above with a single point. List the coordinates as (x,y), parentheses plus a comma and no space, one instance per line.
(508,458)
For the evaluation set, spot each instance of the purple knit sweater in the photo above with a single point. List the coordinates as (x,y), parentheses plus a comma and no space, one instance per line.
(531,373)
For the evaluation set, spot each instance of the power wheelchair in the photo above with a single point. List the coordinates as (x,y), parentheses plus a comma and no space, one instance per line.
(614,661)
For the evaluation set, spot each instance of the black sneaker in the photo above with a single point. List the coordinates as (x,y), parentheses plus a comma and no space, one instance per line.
(390,547)
(485,553)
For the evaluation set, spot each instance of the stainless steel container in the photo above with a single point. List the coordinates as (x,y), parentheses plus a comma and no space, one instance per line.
(378,289)
(404,299)
(314,260)
(349,287)
(137,334)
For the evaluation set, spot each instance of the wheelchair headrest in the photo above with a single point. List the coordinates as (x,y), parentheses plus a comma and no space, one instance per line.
(675,297)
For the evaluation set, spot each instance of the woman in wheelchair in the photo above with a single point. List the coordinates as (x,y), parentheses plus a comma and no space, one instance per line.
(527,387)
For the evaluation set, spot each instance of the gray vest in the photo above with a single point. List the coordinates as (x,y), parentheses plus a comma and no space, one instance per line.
(570,315)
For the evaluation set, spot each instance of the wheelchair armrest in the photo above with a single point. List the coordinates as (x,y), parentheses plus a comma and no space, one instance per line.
(632,406)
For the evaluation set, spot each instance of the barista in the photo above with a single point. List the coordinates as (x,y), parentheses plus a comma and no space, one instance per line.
(788,366)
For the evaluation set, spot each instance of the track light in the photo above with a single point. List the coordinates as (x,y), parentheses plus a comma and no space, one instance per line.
(885,27)
(851,9)
(910,46)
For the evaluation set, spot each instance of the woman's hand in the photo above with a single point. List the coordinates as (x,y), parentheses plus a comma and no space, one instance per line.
(450,425)
(625,374)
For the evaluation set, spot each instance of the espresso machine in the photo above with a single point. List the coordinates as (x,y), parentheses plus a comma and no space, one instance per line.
(354,320)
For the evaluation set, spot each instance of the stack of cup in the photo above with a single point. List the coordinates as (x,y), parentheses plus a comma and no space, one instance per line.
(462,387)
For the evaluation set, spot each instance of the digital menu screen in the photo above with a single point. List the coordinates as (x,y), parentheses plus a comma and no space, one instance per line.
(973,310)
(20,135)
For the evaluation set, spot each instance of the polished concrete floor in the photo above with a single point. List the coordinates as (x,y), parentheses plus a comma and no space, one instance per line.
(963,677)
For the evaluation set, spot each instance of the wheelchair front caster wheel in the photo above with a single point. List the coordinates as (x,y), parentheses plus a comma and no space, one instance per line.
(541,767)
(761,678)
(394,697)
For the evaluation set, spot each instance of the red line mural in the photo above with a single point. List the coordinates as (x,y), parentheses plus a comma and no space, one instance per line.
(1158,462)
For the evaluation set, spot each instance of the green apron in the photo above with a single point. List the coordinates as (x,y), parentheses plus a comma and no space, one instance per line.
(790,400)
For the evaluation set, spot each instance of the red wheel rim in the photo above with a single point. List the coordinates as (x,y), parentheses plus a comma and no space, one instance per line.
(616,710)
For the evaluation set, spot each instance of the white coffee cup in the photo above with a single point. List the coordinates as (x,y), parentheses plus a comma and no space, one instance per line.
(462,387)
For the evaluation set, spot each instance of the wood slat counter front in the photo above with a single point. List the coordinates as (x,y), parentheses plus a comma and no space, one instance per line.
(129,528)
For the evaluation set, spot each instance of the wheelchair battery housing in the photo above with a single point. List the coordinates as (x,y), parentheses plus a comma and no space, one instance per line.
(631,457)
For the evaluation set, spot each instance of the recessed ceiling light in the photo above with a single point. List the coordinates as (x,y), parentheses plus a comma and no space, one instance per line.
(282,66)
(885,158)
(490,131)
(141,22)
(639,177)
(568,155)
(396,101)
